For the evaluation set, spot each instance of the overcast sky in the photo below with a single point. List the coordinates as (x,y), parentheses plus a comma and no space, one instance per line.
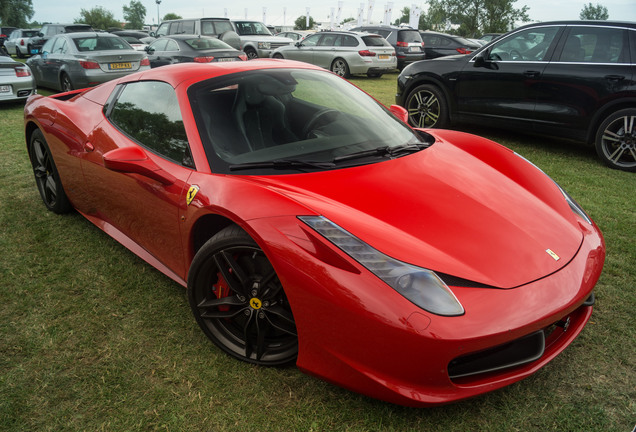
(67,11)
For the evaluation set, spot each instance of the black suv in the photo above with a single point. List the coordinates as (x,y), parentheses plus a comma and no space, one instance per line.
(406,41)
(49,30)
(574,79)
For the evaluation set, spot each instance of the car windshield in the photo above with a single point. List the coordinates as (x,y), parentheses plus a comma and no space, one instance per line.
(99,43)
(246,28)
(409,36)
(282,118)
(206,43)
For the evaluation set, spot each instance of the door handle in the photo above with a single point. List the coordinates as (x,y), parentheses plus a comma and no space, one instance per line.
(531,74)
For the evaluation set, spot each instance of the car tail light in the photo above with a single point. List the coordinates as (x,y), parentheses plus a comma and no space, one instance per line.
(89,64)
(22,42)
(145,62)
(22,72)
(366,53)
(402,44)
(463,50)
(204,59)
(243,57)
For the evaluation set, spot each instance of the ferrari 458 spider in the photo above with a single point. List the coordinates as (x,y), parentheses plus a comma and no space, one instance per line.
(310,224)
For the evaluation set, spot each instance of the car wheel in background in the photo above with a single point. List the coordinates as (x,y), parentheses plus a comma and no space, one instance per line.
(616,140)
(278,56)
(239,302)
(251,53)
(46,175)
(67,85)
(374,74)
(340,68)
(427,107)
(18,53)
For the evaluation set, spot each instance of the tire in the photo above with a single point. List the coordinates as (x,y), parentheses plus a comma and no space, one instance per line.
(29,49)
(47,177)
(374,74)
(66,83)
(239,302)
(278,56)
(251,53)
(616,140)
(18,53)
(427,107)
(340,67)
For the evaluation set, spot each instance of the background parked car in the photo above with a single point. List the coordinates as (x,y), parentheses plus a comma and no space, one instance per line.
(295,35)
(574,79)
(4,33)
(256,39)
(16,81)
(137,39)
(344,53)
(78,60)
(442,44)
(406,41)
(49,30)
(191,48)
(19,42)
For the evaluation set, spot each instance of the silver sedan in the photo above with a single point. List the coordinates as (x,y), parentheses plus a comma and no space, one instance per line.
(16,81)
(78,60)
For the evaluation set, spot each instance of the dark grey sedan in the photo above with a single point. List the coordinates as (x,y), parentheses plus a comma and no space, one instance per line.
(79,60)
(191,48)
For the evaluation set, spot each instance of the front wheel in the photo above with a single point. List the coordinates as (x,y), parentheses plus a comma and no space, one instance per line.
(278,56)
(427,107)
(47,177)
(616,140)
(251,53)
(18,53)
(340,68)
(239,302)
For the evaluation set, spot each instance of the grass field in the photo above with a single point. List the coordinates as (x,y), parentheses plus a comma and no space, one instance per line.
(94,339)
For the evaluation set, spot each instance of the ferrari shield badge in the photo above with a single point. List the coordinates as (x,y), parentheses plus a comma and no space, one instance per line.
(552,254)
(192,192)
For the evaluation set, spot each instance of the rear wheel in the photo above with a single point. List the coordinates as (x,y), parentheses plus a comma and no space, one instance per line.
(239,302)
(18,53)
(616,140)
(427,107)
(374,74)
(67,84)
(47,177)
(340,67)
(278,56)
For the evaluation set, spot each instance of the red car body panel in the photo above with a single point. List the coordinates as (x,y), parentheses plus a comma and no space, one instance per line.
(465,207)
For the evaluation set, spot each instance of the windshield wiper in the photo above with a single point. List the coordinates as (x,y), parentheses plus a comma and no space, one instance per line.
(282,164)
(383,151)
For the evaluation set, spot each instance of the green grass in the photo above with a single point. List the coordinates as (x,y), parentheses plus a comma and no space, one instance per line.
(92,338)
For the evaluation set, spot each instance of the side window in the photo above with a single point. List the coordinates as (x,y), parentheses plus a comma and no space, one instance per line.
(188,27)
(172,46)
(163,29)
(48,46)
(154,122)
(349,41)
(595,45)
(328,40)
(528,45)
(160,44)
(59,45)
(311,40)
(207,28)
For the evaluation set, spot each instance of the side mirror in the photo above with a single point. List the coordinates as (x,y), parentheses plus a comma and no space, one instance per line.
(149,49)
(480,60)
(298,44)
(133,160)
(153,34)
(40,34)
(45,54)
(400,112)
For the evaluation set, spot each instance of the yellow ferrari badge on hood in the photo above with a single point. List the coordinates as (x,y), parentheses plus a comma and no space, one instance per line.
(192,192)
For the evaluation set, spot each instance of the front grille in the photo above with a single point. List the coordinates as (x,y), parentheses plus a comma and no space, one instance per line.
(275,45)
(523,350)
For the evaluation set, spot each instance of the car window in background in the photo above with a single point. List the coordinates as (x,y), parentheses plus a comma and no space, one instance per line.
(159,45)
(595,45)
(252,28)
(375,41)
(409,36)
(311,40)
(95,43)
(172,45)
(206,43)
(527,45)
(155,122)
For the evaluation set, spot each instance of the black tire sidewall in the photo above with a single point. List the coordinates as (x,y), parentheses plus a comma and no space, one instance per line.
(598,142)
(442,120)
(62,204)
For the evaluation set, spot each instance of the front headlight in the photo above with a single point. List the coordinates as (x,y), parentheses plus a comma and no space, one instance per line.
(576,208)
(264,45)
(420,286)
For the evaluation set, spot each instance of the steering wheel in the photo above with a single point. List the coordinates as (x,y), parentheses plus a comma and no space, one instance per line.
(319,116)
(515,55)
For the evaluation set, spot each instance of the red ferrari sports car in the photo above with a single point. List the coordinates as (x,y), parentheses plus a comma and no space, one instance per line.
(310,224)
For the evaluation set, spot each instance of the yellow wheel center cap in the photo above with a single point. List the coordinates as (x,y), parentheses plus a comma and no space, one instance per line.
(255,303)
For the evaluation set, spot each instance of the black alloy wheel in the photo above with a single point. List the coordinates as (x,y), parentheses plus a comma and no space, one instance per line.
(47,177)
(251,54)
(239,302)
(427,107)
(67,85)
(616,140)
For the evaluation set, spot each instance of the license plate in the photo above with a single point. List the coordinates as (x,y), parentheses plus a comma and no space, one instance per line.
(415,49)
(226,59)
(35,51)
(116,66)
(384,56)
(5,89)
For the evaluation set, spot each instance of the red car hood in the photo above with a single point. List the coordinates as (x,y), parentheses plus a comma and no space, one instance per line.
(473,210)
